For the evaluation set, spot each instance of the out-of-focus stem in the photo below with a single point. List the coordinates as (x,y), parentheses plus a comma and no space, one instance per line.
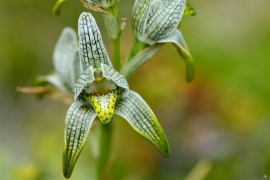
(104,134)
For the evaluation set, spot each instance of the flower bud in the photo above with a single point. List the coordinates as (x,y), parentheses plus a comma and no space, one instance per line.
(155,20)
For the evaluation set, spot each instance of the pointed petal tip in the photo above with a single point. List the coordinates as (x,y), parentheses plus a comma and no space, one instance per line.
(78,122)
(66,174)
(167,152)
(140,116)
(67,171)
(189,79)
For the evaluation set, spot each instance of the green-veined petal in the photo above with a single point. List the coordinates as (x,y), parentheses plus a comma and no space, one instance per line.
(164,18)
(139,18)
(78,122)
(92,50)
(140,116)
(111,74)
(66,58)
(86,79)
(179,42)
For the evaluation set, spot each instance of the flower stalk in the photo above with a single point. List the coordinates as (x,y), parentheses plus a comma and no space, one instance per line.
(104,134)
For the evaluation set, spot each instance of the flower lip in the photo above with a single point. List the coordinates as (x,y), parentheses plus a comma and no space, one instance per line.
(103,104)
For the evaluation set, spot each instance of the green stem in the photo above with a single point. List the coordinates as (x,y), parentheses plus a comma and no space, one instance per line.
(113,10)
(104,134)
(57,7)
(116,53)
(136,47)
(112,24)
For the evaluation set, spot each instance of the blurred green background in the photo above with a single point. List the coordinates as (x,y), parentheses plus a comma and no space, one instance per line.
(218,126)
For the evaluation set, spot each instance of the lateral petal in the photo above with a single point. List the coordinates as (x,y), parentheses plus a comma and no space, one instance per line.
(86,78)
(78,122)
(66,59)
(139,17)
(140,116)
(179,42)
(163,18)
(111,74)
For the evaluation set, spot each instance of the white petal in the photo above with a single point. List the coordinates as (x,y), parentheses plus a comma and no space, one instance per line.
(78,122)
(140,116)
(92,50)
(55,80)
(86,79)
(111,74)
(139,18)
(179,42)
(163,19)
(65,58)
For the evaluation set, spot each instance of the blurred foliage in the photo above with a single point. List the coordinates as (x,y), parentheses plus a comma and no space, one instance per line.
(222,117)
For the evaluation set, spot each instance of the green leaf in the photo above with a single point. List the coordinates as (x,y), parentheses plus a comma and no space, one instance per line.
(78,122)
(139,59)
(92,50)
(179,42)
(66,58)
(142,119)
(57,7)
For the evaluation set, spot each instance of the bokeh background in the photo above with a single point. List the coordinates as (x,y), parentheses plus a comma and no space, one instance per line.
(218,126)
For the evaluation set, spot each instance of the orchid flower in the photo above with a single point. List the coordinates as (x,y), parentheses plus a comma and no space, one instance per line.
(66,62)
(101,92)
(59,84)
(155,22)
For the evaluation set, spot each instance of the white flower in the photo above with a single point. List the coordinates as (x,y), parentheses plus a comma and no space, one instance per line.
(101,92)
(155,22)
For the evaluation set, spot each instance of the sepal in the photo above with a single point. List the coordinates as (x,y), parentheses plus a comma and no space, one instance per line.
(78,123)
(142,119)
(179,42)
